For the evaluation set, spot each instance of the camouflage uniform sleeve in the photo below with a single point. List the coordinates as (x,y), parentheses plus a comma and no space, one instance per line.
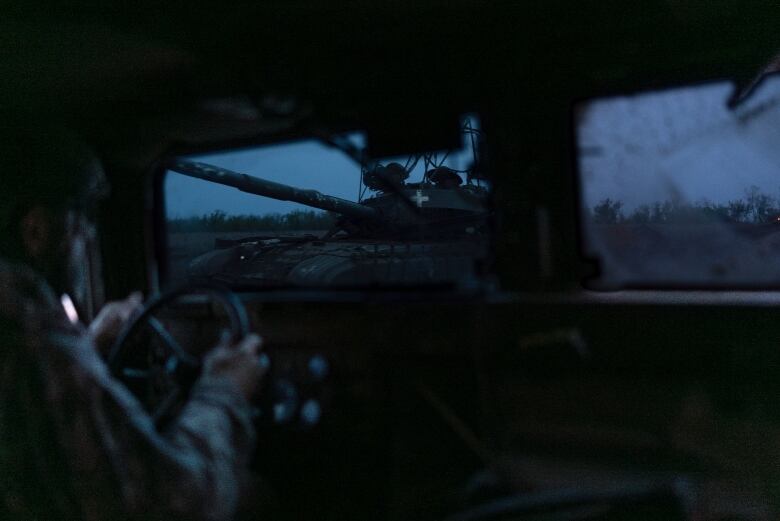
(191,471)
(118,465)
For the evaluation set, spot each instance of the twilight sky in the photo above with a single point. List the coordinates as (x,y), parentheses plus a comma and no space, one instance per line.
(681,143)
(303,164)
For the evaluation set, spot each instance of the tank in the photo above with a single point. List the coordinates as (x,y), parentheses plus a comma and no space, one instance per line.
(432,232)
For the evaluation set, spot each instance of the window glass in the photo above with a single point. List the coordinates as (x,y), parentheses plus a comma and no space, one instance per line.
(311,214)
(678,189)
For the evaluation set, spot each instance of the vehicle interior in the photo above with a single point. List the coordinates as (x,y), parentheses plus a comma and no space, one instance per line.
(549,374)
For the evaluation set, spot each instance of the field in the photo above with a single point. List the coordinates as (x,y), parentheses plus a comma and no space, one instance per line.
(687,254)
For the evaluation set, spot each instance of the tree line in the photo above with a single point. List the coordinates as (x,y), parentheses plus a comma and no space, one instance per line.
(755,207)
(219,221)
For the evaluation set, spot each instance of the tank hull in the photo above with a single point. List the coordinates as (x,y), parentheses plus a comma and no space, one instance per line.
(341,262)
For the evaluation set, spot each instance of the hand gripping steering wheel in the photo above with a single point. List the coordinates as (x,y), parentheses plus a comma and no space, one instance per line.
(170,370)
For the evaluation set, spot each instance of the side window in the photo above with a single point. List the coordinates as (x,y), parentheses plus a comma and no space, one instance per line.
(678,190)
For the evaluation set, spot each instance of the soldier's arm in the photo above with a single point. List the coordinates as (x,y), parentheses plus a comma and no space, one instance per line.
(117,463)
(191,471)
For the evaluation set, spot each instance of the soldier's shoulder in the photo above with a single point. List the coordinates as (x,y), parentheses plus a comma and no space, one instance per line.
(22,289)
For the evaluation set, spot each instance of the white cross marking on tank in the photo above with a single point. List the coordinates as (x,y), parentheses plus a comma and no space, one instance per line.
(419,198)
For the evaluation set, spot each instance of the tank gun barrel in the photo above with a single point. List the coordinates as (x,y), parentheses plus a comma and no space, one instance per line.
(258,186)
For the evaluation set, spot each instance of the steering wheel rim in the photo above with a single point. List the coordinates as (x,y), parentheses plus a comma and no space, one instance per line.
(178,361)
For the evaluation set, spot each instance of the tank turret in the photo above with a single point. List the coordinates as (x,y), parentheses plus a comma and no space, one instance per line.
(396,207)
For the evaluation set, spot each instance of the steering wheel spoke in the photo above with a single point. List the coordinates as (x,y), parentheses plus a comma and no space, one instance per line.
(162,410)
(132,373)
(173,346)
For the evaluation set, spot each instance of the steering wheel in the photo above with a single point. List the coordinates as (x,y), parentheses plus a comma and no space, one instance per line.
(171,367)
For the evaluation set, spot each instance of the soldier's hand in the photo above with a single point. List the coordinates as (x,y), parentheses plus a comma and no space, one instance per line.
(239,363)
(112,318)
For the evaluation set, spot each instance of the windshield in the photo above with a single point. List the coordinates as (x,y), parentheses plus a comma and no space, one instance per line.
(308,214)
(677,189)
